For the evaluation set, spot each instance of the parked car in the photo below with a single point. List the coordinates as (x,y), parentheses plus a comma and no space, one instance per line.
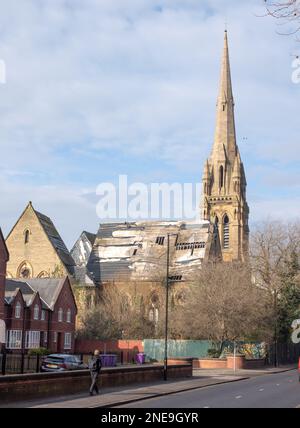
(62,362)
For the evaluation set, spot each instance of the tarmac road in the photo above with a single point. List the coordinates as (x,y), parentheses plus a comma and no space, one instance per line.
(280,390)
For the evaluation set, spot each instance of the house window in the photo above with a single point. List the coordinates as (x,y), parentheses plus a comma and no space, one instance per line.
(68,341)
(160,240)
(18,310)
(43,315)
(32,339)
(226,232)
(36,312)
(55,337)
(14,339)
(69,314)
(60,315)
(26,236)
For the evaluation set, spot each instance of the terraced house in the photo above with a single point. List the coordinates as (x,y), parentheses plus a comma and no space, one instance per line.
(39,313)
(3,261)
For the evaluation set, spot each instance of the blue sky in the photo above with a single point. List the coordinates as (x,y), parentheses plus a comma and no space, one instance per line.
(98,88)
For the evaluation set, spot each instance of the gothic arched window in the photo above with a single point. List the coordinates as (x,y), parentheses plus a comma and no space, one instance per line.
(24,270)
(154,309)
(226,232)
(26,238)
(221,176)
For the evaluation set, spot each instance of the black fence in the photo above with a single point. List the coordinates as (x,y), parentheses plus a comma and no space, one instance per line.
(19,363)
(283,353)
(24,363)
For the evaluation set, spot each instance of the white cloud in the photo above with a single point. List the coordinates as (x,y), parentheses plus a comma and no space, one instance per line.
(137,78)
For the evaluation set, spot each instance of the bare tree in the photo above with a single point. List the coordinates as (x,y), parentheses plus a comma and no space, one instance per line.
(223,304)
(116,316)
(275,249)
(286,12)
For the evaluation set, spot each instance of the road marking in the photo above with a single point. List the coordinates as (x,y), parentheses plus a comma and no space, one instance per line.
(238,397)
(261,389)
(206,407)
(277,384)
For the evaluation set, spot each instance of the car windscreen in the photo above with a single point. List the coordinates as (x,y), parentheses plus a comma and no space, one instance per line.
(54,359)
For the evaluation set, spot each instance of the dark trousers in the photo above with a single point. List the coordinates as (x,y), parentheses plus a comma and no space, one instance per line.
(94,386)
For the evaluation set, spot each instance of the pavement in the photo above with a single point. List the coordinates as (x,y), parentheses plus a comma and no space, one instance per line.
(157,392)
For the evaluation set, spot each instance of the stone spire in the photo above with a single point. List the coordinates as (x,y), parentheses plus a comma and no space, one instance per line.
(225,137)
(224,181)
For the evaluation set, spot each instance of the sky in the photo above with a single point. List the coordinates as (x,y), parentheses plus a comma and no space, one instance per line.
(98,88)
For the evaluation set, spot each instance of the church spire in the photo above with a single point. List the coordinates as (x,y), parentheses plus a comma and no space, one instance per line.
(224,181)
(225,137)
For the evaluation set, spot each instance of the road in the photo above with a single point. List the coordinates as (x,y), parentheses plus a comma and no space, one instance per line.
(280,390)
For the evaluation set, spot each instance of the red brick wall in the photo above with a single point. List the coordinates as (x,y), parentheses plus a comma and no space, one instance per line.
(3,262)
(129,347)
(43,385)
(65,301)
(228,363)
(210,363)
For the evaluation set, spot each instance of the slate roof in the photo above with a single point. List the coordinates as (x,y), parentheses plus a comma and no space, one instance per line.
(130,251)
(90,236)
(57,242)
(11,288)
(48,289)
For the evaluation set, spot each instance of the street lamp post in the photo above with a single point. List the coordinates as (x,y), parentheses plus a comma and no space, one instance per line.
(276,330)
(167,311)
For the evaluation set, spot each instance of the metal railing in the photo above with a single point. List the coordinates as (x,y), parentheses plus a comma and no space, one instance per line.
(19,363)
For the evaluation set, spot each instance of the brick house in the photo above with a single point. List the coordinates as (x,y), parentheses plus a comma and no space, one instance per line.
(4,256)
(40,313)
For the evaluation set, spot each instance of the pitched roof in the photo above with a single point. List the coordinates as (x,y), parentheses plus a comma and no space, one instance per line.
(90,236)
(12,287)
(48,288)
(129,251)
(53,236)
(56,241)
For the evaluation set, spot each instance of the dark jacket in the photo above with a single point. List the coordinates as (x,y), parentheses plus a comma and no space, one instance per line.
(95,364)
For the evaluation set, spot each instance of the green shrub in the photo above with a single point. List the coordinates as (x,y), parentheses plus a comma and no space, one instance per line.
(213,353)
(39,351)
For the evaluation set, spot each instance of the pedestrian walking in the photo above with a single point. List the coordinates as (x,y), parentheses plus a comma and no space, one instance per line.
(95,367)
